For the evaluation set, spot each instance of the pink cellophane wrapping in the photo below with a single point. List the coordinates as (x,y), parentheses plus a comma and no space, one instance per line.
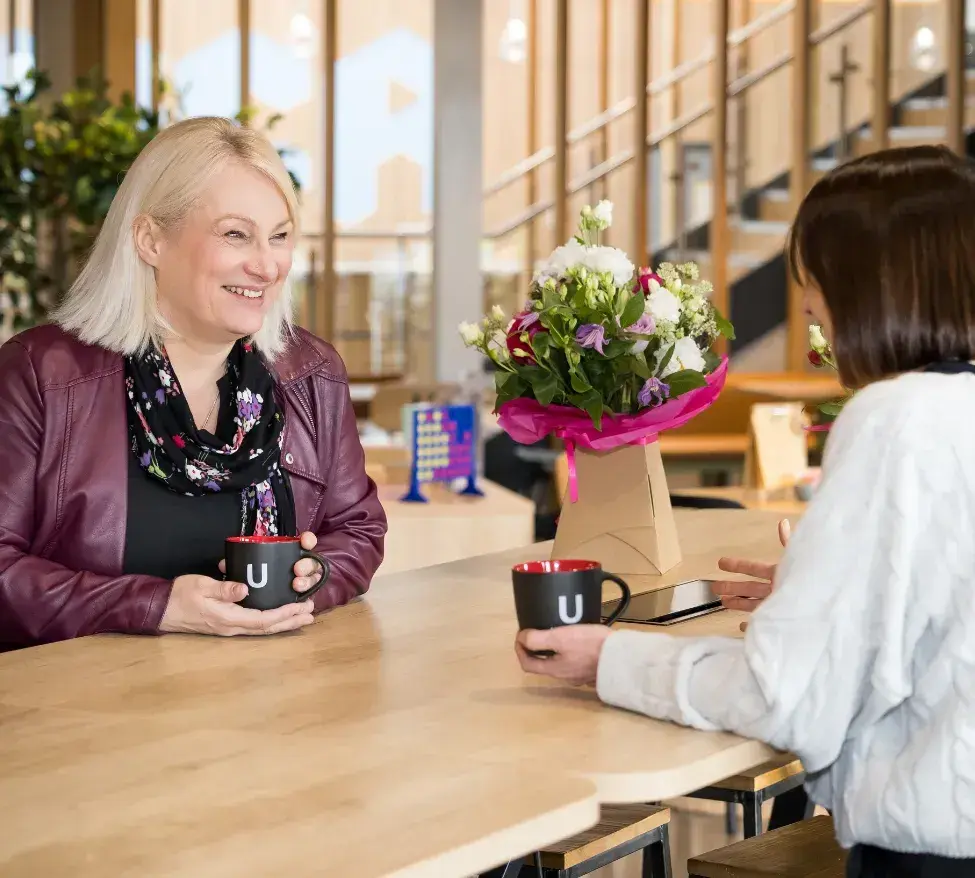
(527,421)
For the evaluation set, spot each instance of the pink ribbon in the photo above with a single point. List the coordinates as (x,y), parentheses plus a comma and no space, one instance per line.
(528,421)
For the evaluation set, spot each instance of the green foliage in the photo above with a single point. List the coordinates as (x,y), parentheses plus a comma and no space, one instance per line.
(61,162)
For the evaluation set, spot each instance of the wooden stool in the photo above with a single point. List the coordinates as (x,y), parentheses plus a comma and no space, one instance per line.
(802,850)
(622,830)
(751,788)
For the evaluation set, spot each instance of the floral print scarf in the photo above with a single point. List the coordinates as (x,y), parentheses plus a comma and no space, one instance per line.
(189,461)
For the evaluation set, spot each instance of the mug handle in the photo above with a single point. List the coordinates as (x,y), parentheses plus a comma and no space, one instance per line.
(624,601)
(326,572)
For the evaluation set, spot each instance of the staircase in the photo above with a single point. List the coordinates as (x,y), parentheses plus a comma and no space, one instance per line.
(756,263)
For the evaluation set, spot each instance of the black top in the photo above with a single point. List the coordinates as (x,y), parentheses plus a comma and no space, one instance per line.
(169,534)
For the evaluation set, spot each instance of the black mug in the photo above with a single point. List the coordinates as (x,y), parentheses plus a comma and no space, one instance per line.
(550,594)
(266,565)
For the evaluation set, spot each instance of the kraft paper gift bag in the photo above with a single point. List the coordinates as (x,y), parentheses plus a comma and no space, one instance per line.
(778,451)
(622,515)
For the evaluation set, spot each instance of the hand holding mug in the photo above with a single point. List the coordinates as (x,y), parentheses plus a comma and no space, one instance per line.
(308,572)
(574,652)
(201,605)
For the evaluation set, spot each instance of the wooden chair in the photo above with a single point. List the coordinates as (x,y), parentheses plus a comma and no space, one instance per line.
(622,830)
(802,850)
(752,788)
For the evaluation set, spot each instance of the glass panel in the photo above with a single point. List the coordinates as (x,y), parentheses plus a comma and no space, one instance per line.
(383,305)
(286,79)
(16,43)
(384,186)
(200,64)
(143,53)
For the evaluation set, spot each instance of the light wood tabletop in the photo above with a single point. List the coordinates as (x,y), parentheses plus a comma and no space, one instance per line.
(396,736)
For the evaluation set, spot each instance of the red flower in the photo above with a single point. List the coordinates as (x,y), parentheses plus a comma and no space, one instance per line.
(179,440)
(815,359)
(643,281)
(526,322)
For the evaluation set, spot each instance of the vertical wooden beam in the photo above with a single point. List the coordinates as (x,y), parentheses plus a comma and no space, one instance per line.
(11,28)
(955,75)
(677,147)
(881,74)
(532,128)
(796,332)
(719,161)
(244,31)
(155,25)
(118,46)
(328,292)
(604,55)
(561,118)
(641,130)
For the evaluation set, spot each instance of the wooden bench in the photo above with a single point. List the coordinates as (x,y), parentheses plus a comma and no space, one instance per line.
(752,788)
(622,830)
(803,850)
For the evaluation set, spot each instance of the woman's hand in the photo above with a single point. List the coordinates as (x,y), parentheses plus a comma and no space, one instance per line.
(576,648)
(747,595)
(201,605)
(307,572)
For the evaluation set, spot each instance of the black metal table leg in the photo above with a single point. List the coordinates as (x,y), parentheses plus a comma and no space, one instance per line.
(752,806)
(791,807)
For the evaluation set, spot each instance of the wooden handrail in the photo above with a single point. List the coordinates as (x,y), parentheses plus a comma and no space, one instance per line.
(621,108)
(593,175)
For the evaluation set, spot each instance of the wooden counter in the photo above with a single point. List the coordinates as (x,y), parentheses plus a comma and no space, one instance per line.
(396,736)
(453,526)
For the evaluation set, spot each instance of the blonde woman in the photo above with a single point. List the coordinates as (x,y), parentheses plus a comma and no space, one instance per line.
(171,404)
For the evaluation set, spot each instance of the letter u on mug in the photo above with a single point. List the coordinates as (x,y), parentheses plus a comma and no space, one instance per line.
(564,610)
(250,576)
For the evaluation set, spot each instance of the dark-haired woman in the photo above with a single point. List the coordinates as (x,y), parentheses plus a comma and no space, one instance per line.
(862,660)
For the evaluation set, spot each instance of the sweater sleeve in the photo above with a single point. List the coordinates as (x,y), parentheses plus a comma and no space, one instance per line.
(840,621)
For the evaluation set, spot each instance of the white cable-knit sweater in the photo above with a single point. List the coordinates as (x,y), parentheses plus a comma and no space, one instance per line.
(862,661)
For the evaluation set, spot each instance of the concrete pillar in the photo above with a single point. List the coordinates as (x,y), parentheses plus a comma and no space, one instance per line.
(457,188)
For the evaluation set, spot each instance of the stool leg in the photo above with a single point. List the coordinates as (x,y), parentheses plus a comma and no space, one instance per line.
(731,819)
(752,806)
(790,807)
(656,856)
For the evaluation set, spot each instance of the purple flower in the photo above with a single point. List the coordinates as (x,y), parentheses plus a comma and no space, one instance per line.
(644,326)
(160,396)
(591,335)
(654,392)
(211,485)
(145,460)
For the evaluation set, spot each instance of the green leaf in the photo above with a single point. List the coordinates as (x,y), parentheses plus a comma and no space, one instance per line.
(550,297)
(510,383)
(540,343)
(617,348)
(633,310)
(831,408)
(681,382)
(545,386)
(724,325)
(711,360)
(665,359)
(592,404)
(579,381)
(638,365)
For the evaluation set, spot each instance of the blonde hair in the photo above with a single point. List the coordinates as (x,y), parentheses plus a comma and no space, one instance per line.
(113,302)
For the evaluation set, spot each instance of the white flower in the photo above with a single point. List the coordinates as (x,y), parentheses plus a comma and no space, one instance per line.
(609,259)
(686,355)
(470,333)
(663,306)
(817,341)
(563,258)
(604,213)
(497,314)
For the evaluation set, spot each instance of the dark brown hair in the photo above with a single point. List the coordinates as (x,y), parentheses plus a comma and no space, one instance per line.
(889,239)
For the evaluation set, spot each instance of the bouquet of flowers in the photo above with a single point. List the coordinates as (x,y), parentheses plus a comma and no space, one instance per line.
(600,338)
(821,355)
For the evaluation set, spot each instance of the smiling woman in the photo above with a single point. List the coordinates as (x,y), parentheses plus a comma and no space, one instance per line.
(172,405)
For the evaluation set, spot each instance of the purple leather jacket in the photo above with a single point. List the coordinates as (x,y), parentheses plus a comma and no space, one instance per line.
(63,486)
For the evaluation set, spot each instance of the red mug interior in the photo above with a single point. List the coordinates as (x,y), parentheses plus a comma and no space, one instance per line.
(561,566)
(262,540)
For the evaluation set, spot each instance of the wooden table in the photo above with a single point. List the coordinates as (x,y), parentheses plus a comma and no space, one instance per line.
(453,526)
(396,736)
(790,386)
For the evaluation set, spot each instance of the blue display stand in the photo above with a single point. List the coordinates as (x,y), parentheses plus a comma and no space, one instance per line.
(443,448)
